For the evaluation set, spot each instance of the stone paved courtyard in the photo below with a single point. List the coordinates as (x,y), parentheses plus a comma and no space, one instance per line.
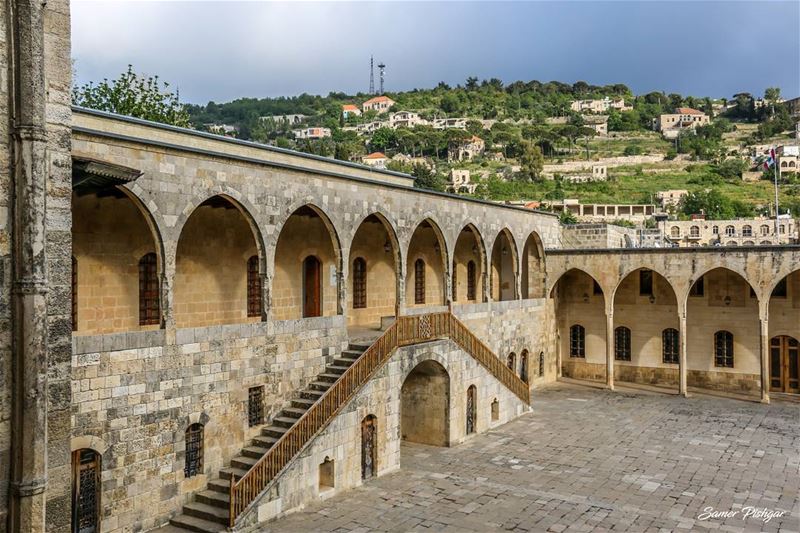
(589,460)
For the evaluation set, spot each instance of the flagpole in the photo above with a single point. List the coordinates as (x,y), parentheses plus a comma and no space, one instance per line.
(777,211)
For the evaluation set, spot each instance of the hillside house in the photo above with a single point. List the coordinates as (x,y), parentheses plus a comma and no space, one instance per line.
(671,124)
(375,160)
(599,106)
(350,110)
(466,150)
(598,123)
(670,198)
(379,104)
(312,133)
(460,181)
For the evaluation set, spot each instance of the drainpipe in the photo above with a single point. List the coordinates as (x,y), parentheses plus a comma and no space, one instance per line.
(29,281)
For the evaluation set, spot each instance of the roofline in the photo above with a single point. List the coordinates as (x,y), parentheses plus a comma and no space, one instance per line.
(240,142)
(285,166)
(672,250)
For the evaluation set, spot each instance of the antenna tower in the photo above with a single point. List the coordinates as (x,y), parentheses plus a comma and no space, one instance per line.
(382,70)
(371,76)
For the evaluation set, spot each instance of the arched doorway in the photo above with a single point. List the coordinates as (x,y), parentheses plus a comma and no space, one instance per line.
(425,405)
(372,287)
(307,266)
(85,491)
(425,266)
(213,255)
(504,267)
(471,403)
(369,447)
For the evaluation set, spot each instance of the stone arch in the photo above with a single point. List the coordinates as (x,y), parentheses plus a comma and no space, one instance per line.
(112,230)
(533,280)
(469,247)
(643,266)
(307,231)
(425,404)
(504,269)
(90,442)
(374,242)
(422,245)
(216,240)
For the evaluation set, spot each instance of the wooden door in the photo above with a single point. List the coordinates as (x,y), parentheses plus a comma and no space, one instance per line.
(369,443)
(784,366)
(312,301)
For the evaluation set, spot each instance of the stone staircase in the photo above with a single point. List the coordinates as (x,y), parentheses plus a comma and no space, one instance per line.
(209,512)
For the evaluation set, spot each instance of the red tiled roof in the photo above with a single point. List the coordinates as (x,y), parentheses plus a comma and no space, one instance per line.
(375,155)
(378,99)
(688,111)
(349,107)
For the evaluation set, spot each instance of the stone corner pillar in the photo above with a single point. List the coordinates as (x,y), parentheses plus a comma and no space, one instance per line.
(764,320)
(610,349)
(682,349)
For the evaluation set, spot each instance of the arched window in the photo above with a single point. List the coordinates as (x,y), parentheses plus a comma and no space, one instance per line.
(747,231)
(669,345)
(455,281)
(419,281)
(764,230)
(675,232)
(694,232)
(471,402)
(730,231)
(622,344)
(253,287)
(74,294)
(312,287)
(784,164)
(577,341)
(523,366)
(541,364)
(85,491)
(723,349)
(194,451)
(511,362)
(149,309)
(471,281)
(359,283)
(715,230)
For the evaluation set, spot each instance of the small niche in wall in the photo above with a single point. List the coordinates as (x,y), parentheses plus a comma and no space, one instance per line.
(326,475)
(495,410)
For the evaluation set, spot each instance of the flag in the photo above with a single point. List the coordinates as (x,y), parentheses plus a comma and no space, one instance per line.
(770,162)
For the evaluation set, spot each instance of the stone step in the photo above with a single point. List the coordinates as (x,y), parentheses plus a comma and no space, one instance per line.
(274,431)
(328,377)
(351,354)
(264,441)
(207,512)
(293,412)
(284,421)
(340,361)
(192,523)
(321,385)
(358,347)
(220,485)
(228,471)
(214,498)
(304,403)
(254,451)
(336,369)
(313,394)
(243,461)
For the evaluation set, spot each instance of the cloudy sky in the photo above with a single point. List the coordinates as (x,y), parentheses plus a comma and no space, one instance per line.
(223,50)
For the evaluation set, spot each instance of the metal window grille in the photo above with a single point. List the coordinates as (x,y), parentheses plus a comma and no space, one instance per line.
(149,308)
(253,287)
(194,450)
(541,363)
(471,409)
(255,406)
(86,495)
(577,341)
(622,344)
(359,283)
(669,344)
(723,349)
(419,282)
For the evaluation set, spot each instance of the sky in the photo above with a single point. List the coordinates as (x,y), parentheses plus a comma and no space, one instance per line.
(219,51)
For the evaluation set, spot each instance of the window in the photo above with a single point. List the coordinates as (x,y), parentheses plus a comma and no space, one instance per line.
(471,281)
(764,230)
(577,341)
(253,287)
(675,232)
(645,283)
(523,366)
(723,349)
(747,231)
(669,345)
(730,231)
(622,344)
(255,406)
(419,282)
(194,451)
(471,394)
(74,294)
(85,491)
(541,364)
(455,281)
(148,290)
(694,232)
(495,410)
(780,289)
(359,283)
(511,362)
(782,229)
(715,230)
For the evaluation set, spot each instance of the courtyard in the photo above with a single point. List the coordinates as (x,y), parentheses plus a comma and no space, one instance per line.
(587,459)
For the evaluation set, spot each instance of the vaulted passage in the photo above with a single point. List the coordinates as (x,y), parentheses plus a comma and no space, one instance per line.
(372,288)
(425,266)
(115,263)
(468,269)
(211,278)
(306,277)
(425,405)
(533,269)
(504,267)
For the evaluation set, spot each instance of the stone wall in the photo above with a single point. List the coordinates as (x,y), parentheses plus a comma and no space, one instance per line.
(598,236)
(381,397)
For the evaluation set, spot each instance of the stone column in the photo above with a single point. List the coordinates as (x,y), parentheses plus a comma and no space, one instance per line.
(610,349)
(764,358)
(682,349)
(29,272)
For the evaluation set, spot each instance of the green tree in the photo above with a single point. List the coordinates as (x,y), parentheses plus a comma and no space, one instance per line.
(531,162)
(566,217)
(134,95)
(712,203)
(426,178)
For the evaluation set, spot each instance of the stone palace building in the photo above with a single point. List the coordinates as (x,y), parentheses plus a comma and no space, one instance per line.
(210,332)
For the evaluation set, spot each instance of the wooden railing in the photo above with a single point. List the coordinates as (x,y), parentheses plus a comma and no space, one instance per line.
(406,330)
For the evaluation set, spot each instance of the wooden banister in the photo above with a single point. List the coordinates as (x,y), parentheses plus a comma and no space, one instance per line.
(405,331)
